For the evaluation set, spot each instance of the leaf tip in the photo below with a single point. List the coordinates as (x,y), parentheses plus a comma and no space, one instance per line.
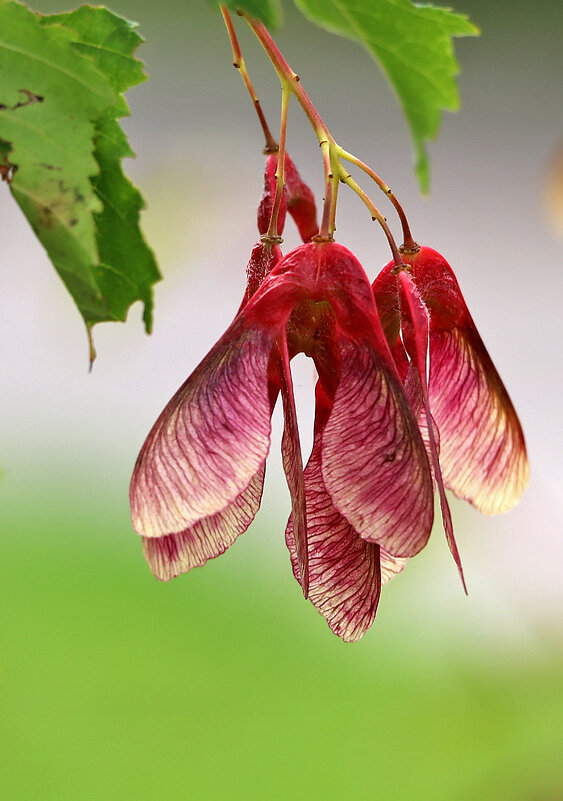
(91,349)
(267,11)
(147,314)
(422,170)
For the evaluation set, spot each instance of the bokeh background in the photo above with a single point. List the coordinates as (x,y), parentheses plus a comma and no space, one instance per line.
(226,684)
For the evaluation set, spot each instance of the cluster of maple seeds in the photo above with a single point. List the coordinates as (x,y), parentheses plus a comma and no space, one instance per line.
(408,401)
(388,427)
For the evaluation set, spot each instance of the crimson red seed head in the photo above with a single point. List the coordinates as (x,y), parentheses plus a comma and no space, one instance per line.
(482,449)
(267,200)
(300,202)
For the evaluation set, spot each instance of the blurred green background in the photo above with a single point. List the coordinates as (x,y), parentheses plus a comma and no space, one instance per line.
(226,684)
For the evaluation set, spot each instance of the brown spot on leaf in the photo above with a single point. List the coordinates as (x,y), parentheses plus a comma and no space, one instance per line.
(45,217)
(31,98)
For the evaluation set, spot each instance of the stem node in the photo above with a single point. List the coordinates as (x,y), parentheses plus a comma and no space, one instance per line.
(271,239)
(411,249)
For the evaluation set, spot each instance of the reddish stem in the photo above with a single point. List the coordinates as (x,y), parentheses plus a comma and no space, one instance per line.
(325,232)
(272,232)
(287,75)
(239,64)
(291,80)
(409,245)
(377,215)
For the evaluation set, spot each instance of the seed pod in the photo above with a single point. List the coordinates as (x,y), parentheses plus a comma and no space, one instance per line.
(267,200)
(300,202)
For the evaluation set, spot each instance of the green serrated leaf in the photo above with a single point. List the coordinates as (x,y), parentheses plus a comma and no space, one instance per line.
(61,80)
(48,65)
(48,96)
(109,41)
(127,267)
(267,11)
(413,45)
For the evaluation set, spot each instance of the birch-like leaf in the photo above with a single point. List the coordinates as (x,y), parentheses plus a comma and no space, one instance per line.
(267,11)
(413,45)
(61,79)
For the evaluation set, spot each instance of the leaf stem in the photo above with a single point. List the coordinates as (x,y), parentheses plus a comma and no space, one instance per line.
(239,64)
(91,348)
